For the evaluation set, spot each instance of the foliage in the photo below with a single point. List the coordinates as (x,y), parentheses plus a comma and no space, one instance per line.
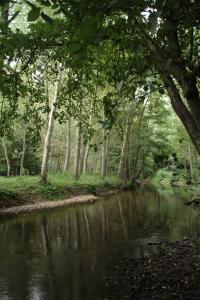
(8,197)
(121,64)
(60,186)
(163,177)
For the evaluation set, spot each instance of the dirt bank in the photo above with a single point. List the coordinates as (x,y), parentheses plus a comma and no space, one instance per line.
(172,274)
(47,205)
(42,193)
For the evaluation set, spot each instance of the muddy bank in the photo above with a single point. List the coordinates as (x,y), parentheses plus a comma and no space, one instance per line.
(78,196)
(47,205)
(51,193)
(174,273)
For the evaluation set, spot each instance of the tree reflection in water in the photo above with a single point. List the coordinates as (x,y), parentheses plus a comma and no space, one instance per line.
(65,254)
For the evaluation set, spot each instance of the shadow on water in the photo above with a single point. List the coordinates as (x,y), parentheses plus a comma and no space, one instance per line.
(67,253)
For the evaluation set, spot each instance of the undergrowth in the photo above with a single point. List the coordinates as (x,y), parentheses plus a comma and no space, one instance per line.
(59,186)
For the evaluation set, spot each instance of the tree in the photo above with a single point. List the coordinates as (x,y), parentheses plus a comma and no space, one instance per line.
(164,37)
(68,146)
(76,168)
(49,132)
(7,157)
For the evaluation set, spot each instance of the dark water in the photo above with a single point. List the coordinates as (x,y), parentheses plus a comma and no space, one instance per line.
(67,253)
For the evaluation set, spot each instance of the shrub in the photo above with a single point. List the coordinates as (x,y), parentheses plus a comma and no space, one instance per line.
(163,176)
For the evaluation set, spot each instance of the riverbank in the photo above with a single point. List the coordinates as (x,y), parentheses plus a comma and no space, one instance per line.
(28,190)
(15,210)
(174,273)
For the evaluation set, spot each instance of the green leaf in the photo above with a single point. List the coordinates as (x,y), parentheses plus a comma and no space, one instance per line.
(33,14)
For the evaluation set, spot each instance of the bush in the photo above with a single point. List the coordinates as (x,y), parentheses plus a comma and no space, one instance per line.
(8,198)
(163,176)
(48,191)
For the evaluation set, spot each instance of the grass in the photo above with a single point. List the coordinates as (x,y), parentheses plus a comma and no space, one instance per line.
(59,185)
(59,180)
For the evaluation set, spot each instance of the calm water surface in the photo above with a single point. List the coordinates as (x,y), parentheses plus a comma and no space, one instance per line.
(67,253)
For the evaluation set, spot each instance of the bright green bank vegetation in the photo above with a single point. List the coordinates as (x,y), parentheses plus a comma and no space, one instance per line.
(182,179)
(60,186)
(19,183)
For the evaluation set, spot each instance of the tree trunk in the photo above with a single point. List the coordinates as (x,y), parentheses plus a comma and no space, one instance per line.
(85,160)
(47,143)
(76,169)
(191,94)
(103,154)
(187,80)
(125,144)
(123,151)
(68,150)
(23,153)
(7,157)
(183,113)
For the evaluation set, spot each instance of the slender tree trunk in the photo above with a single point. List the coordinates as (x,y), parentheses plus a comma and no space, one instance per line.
(47,143)
(7,157)
(103,155)
(68,150)
(76,169)
(136,171)
(123,151)
(23,153)
(85,159)
(125,145)
(107,148)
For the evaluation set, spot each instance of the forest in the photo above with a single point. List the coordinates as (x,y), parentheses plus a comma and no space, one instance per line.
(99,97)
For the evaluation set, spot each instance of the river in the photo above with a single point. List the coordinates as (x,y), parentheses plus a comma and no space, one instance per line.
(66,254)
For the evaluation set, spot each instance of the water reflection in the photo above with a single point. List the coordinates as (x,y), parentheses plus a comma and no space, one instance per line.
(65,254)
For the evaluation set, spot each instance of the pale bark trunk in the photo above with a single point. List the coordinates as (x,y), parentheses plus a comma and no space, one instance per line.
(23,153)
(47,143)
(107,151)
(103,155)
(125,144)
(68,150)
(137,171)
(7,157)
(123,151)
(85,160)
(76,169)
